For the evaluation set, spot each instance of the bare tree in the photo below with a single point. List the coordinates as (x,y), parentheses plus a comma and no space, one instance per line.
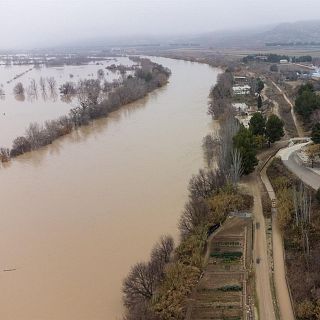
(4,154)
(196,213)
(141,311)
(68,88)
(33,89)
(43,86)
(52,84)
(228,130)
(100,74)
(210,145)
(18,89)
(236,169)
(205,183)
(20,145)
(139,285)
(88,92)
(162,251)
(302,209)
(36,136)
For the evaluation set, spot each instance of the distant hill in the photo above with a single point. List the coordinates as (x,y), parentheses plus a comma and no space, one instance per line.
(297,33)
(293,34)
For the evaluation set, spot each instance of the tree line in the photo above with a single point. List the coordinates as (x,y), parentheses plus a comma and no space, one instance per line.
(146,79)
(275,58)
(158,289)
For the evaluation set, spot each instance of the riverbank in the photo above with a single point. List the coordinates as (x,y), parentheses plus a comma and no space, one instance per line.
(213,195)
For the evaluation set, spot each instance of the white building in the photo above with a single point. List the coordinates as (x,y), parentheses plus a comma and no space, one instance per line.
(284,61)
(241,90)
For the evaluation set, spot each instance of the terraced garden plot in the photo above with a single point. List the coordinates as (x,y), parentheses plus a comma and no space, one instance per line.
(218,280)
(222,292)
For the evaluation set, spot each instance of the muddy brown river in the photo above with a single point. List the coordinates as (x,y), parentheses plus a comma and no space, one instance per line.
(76,215)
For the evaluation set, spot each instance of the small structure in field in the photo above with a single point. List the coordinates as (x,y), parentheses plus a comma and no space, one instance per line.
(240,80)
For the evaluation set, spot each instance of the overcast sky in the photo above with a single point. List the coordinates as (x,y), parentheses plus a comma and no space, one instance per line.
(31,23)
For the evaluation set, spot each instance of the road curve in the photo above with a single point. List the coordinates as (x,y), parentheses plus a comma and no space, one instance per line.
(290,160)
(305,174)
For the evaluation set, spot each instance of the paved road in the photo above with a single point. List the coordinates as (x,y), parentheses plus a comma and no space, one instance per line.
(289,159)
(262,269)
(308,176)
(282,291)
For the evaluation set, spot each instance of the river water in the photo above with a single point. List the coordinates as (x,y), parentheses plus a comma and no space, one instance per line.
(77,214)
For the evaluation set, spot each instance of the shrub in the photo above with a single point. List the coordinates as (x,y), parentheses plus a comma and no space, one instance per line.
(178,283)
(4,154)
(20,146)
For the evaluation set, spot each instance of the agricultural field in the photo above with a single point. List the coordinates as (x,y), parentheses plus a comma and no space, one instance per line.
(225,290)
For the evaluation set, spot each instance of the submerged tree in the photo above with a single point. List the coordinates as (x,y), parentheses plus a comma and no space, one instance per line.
(33,89)
(18,89)
(52,83)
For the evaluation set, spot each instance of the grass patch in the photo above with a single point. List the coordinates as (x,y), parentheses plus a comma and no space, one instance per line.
(230,288)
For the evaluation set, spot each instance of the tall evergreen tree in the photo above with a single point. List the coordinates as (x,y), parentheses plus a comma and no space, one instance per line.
(257,124)
(244,141)
(315,135)
(274,129)
(259,102)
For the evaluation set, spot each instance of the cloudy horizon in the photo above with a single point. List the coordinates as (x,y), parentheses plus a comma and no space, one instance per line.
(43,23)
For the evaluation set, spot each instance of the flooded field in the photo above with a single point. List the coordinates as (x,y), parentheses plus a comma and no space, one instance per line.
(76,215)
(17,112)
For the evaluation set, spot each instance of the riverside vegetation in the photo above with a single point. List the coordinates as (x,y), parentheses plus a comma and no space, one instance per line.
(91,105)
(159,288)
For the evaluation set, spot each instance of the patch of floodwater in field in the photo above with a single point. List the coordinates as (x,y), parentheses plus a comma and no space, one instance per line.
(16,113)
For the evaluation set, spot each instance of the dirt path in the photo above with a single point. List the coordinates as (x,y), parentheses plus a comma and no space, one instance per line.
(282,290)
(298,127)
(265,97)
(262,269)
